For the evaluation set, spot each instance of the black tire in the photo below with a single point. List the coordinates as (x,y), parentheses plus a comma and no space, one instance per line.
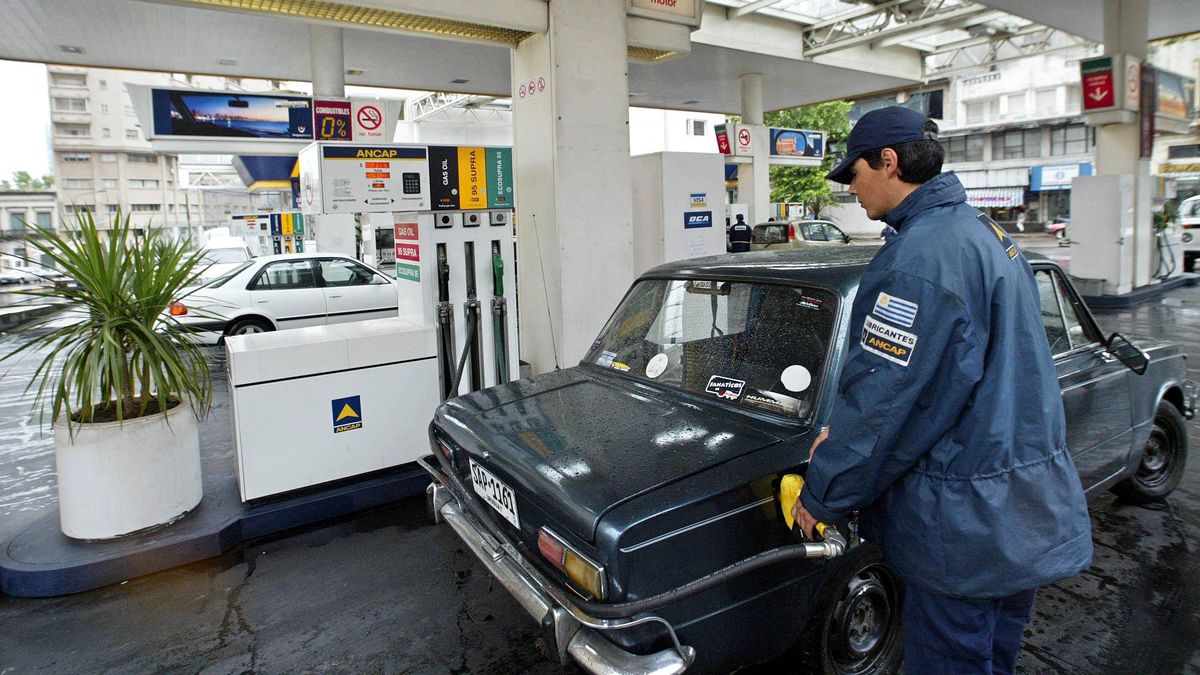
(248,325)
(856,625)
(1189,260)
(1163,459)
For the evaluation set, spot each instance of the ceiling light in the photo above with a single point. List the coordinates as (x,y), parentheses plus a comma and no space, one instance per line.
(71,49)
(354,71)
(459,80)
(691,102)
(226,62)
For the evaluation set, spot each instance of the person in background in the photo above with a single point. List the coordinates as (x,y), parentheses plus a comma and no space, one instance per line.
(739,235)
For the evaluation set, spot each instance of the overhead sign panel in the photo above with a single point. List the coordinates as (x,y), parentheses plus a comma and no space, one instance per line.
(359,178)
(500,178)
(686,12)
(207,114)
(797,143)
(472,179)
(443,176)
(331,120)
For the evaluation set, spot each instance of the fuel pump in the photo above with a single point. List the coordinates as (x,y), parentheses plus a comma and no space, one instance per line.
(472,314)
(445,324)
(499,315)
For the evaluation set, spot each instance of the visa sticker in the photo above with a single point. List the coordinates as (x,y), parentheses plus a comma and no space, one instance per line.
(725,387)
(606,359)
(891,343)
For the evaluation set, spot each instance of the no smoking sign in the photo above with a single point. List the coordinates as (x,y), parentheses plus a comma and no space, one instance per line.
(531,88)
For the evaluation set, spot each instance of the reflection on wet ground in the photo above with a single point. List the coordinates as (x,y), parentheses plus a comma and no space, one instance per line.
(383,592)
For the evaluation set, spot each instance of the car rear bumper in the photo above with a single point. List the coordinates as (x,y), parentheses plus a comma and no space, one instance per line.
(568,630)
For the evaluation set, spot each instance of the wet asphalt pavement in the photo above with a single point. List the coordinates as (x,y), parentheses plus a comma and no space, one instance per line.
(385,592)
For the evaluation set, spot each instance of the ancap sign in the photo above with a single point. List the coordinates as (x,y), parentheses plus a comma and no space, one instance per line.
(686,12)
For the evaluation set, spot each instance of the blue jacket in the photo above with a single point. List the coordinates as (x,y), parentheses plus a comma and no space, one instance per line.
(948,430)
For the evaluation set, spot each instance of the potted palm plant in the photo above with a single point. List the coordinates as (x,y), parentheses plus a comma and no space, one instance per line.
(123,384)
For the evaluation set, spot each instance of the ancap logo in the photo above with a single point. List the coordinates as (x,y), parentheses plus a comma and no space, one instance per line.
(376,153)
(347,414)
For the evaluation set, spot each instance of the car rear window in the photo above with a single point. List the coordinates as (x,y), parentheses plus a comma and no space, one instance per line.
(224,278)
(761,346)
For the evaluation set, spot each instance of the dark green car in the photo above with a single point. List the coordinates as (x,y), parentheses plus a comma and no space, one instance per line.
(598,495)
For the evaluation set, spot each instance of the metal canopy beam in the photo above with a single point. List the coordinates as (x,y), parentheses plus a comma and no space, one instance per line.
(887,20)
(751,7)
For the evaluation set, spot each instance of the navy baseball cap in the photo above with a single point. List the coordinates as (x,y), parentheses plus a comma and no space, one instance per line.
(878,129)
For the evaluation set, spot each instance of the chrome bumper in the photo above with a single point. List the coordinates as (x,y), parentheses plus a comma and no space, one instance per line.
(569,631)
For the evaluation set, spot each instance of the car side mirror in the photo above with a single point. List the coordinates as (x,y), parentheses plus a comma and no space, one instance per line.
(845,238)
(1128,353)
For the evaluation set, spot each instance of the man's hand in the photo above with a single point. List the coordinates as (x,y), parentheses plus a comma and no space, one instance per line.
(817,441)
(804,520)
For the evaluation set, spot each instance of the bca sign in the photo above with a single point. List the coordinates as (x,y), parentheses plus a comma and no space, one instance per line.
(696,219)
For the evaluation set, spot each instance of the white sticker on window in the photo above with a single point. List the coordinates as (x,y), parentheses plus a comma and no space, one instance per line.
(796,378)
(656,366)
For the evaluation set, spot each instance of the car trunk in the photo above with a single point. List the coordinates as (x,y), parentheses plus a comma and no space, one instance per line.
(578,444)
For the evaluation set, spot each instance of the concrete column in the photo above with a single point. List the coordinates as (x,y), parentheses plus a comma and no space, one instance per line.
(1117,145)
(333,234)
(328,60)
(574,192)
(754,181)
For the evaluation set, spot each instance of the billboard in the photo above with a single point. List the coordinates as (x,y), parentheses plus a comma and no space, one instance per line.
(797,143)
(179,112)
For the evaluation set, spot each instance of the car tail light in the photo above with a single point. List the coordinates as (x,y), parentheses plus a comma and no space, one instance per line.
(447,451)
(178,308)
(791,232)
(584,573)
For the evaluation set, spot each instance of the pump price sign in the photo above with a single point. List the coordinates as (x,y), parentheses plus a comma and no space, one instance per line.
(354,178)
(331,120)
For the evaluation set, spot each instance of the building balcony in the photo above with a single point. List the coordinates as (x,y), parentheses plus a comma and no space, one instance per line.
(71,117)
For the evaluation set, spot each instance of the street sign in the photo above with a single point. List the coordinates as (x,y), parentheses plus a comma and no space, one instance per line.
(1098,89)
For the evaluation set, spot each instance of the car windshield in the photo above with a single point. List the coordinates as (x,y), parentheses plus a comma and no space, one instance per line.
(225,255)
(224,278)
(761,346)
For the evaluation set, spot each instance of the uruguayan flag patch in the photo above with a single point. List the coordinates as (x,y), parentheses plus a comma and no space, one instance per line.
(896,310)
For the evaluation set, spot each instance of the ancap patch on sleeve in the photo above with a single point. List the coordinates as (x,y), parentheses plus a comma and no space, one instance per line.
(1010,249)
(887,341)
(896,310)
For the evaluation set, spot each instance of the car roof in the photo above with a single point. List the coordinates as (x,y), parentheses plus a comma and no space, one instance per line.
(839,268)
(307,255)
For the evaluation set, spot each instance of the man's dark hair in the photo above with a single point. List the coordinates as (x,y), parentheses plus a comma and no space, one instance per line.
(919,160)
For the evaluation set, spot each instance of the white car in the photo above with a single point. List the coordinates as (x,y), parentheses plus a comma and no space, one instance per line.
(286,291)
(220,257)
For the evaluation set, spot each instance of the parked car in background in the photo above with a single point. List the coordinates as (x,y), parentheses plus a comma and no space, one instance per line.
(222,255)
(593,491)
(1058,226)
(286,291)
(797,234)
(1189,221)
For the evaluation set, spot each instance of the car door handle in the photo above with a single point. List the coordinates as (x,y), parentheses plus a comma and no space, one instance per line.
(262,302)
(335,296)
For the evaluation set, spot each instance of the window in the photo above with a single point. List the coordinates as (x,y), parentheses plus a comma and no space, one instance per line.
(964,148)
(1061,314)
(81,208)
(75,157)
(740,343)
(1074,139)
(1046,101)
(65,104)
(145,208)
(43,219)
(68,80)
(696,127)
(1183,151)
(1016,104)
(285,275)
(110,183)
(108,157)
(72,130)
(977,111)
(142,159)
(774,233)
(1016,144)
(78,183)
(106,132)
(143,183)
(16,222)
(103,107)
(347,273)
(815,232)
(103,84)
(131,133)
(112,208)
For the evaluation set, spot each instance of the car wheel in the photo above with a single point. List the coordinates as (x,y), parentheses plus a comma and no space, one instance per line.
(1189,260)
(856,624)
(1163,459)
(249,326)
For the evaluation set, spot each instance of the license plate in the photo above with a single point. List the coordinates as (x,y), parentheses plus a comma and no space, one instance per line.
(498,495)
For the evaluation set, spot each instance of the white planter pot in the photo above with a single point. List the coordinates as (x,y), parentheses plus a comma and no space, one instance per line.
(119,477)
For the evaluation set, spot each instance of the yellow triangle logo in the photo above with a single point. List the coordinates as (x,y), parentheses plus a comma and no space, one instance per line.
(347,411)
(1000,234)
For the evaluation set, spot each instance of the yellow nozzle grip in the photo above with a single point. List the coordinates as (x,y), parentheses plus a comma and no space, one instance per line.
(789,491)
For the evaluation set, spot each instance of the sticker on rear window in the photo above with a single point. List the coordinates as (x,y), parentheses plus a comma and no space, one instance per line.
(617,365)
(656,366)
(606,359)
(796,378)
(725,387)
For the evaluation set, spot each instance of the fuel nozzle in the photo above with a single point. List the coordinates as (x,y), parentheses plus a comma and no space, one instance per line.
(832,542)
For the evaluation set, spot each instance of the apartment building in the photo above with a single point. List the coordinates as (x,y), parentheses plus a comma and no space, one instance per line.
(102,159)
(18,211)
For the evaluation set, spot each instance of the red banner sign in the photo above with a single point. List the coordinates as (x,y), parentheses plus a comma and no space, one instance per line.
(410,252)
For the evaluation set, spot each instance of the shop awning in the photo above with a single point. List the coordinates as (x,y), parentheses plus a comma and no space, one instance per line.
(996,197)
